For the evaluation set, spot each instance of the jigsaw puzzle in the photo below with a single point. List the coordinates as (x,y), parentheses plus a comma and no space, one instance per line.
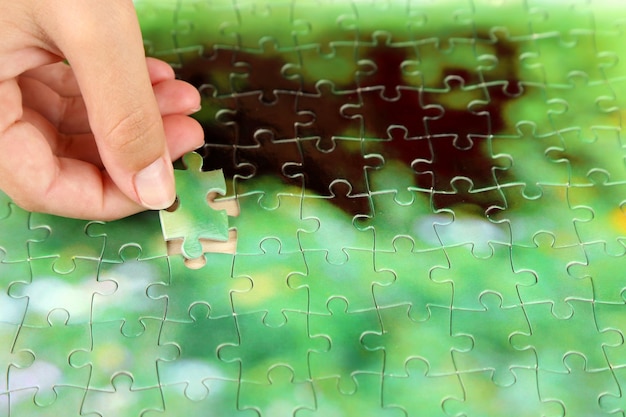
(421,211)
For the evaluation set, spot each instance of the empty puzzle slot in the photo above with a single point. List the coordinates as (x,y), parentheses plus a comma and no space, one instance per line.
(174,247)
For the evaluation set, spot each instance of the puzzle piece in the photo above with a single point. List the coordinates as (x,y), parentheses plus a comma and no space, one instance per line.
(528,145)
(394,172)
(269,275)
(198,359)
(411,287)
(352,280)
(578,333)
(282,221)
(344,338)
(477,385)
(442,54)
(221,399)
(339,54)
(219,27)
(130,278)
(586,157)
(470,225)
(551,267)
(604,271)
(124,399)
(610,207)
(67,240)
(609,318)
(473,282)
(581,22)
(263,62)
(407,110)
(495,324)
(415,219)
(334,219)
(112,353)
(193,218)
(423,22)
(149,241)
(50,290)
(316,161)
(252,14)
(12,310)
(308,31)
(597,383)
(9,358)
(517,109)
(257,350)
(16,234)
(549,212)
(270,156)
(328,123)
(557,72)
(589,115)
(608,398)
(50,369)
(67,401)
(163,15)
(364,400)
(384,62)
(209,65)
(251,116)
(400,332)
(450,159)
(211,284)
(503,49)
(418,391)
(270,397)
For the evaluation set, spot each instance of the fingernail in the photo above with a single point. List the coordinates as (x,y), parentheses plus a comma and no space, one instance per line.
(196,109)
(154,185)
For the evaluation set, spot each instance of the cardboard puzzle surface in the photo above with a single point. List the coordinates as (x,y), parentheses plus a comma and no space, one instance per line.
(430,222)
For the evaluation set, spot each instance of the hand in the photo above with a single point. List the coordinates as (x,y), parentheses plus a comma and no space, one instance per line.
(93,139)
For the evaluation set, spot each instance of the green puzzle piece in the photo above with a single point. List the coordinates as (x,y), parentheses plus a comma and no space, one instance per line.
(194,219)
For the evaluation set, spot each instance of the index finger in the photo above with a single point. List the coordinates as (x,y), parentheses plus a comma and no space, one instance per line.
(103,44)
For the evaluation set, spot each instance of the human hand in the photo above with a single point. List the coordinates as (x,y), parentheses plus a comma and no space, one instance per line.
(94,139)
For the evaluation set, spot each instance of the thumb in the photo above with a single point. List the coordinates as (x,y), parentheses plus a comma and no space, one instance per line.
(103,44)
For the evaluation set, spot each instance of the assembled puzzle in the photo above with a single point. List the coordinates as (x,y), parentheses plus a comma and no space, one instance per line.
(402,208)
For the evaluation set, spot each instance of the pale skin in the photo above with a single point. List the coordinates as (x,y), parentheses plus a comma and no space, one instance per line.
(94,139)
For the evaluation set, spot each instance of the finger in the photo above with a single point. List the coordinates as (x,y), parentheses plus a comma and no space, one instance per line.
(60,77)
(74,146)
(176,97)
(66,114)
(41,181)
(38,180)
(183,134)
(110,67)
(159,71)
(69,114)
